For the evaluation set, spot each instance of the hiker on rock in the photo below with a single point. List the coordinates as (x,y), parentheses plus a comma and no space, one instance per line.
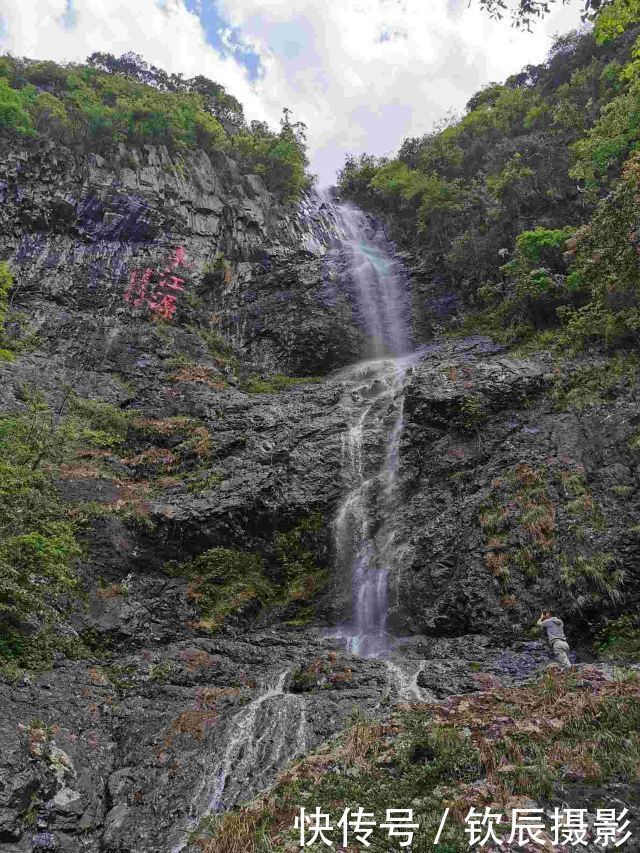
(555,635)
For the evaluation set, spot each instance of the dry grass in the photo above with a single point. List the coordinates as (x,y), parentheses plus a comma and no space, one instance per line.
(114,590)
(132,497)
(163,426)
(156,456)
(236,834)
(204,375)
(192,722)
(93,453)
(539,520)
(197,659)
(208,697)
(522,738)
(529,476)
(201,442)
(78,471)
(498,564)
(361,744)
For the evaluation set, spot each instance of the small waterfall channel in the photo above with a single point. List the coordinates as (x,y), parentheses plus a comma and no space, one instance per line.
(259,740)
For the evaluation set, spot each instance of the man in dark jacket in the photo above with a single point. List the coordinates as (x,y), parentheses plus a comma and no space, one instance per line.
(555,635)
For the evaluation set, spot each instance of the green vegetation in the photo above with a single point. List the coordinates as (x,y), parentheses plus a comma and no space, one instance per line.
(323,673)
(81,439)
(528,204)
(38,552)
(620,639)
(6,283)
(39,544)
(302,579)
(533,518)
(595,385)
(597,578)
(113,100)
(272,384)
(226,582)
(472,412)
(219,350)
(482,749)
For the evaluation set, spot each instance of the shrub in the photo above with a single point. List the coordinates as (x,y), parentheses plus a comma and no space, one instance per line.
(224,581)
(303,579)
(13,113)
(619,639)
(38,553)
(6,283)
(595,385)
(472,412)
(227,582)
(538,283)
(607,265)
(596,577)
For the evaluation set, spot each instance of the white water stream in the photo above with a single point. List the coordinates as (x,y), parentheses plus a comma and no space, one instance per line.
(365,532)
(260,738)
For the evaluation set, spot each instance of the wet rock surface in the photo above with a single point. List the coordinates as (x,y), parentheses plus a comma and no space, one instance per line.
(125,752)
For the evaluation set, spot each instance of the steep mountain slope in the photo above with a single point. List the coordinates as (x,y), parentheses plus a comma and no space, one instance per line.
(245,490)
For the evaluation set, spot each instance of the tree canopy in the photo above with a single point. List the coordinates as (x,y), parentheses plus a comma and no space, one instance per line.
(111,100)
(525,12)
(528,205)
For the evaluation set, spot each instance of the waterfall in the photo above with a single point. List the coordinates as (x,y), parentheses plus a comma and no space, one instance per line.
(259,739)
(361,258)
(272,728)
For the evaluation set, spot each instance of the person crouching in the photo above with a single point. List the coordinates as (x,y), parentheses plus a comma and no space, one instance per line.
(555,635)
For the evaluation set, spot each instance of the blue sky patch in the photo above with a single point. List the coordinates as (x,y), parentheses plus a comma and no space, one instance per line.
(224,38)
(69,17)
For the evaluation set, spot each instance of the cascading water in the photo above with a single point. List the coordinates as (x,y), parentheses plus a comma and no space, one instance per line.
(272,728)
(363,258)
(259,739)
(365,535)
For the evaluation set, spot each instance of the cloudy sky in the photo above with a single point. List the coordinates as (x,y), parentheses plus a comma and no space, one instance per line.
(362,74)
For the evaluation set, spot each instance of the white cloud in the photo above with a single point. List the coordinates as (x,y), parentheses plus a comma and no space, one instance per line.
(361,73)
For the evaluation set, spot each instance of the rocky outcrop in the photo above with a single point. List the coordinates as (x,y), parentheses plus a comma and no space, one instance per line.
(88,232)
(497,501)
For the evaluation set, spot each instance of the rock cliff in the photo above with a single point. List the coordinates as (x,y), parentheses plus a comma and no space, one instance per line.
(177,302)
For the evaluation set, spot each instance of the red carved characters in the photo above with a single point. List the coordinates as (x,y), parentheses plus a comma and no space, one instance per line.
(160,298)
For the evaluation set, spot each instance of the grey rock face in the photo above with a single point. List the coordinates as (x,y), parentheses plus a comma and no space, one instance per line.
(79,228)
(124,753)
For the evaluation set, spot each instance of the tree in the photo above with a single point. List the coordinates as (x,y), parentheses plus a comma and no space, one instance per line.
(525,12)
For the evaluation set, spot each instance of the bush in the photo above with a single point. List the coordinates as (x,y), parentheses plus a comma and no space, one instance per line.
(224,581)
(596,384)
(6,283)
(227,582)
(620,639)
(279,158)
(607,266)
(537,273)
(13,115)
(38,552)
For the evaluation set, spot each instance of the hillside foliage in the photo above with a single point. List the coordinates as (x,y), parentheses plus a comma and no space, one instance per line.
(109,100)
(529,203)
